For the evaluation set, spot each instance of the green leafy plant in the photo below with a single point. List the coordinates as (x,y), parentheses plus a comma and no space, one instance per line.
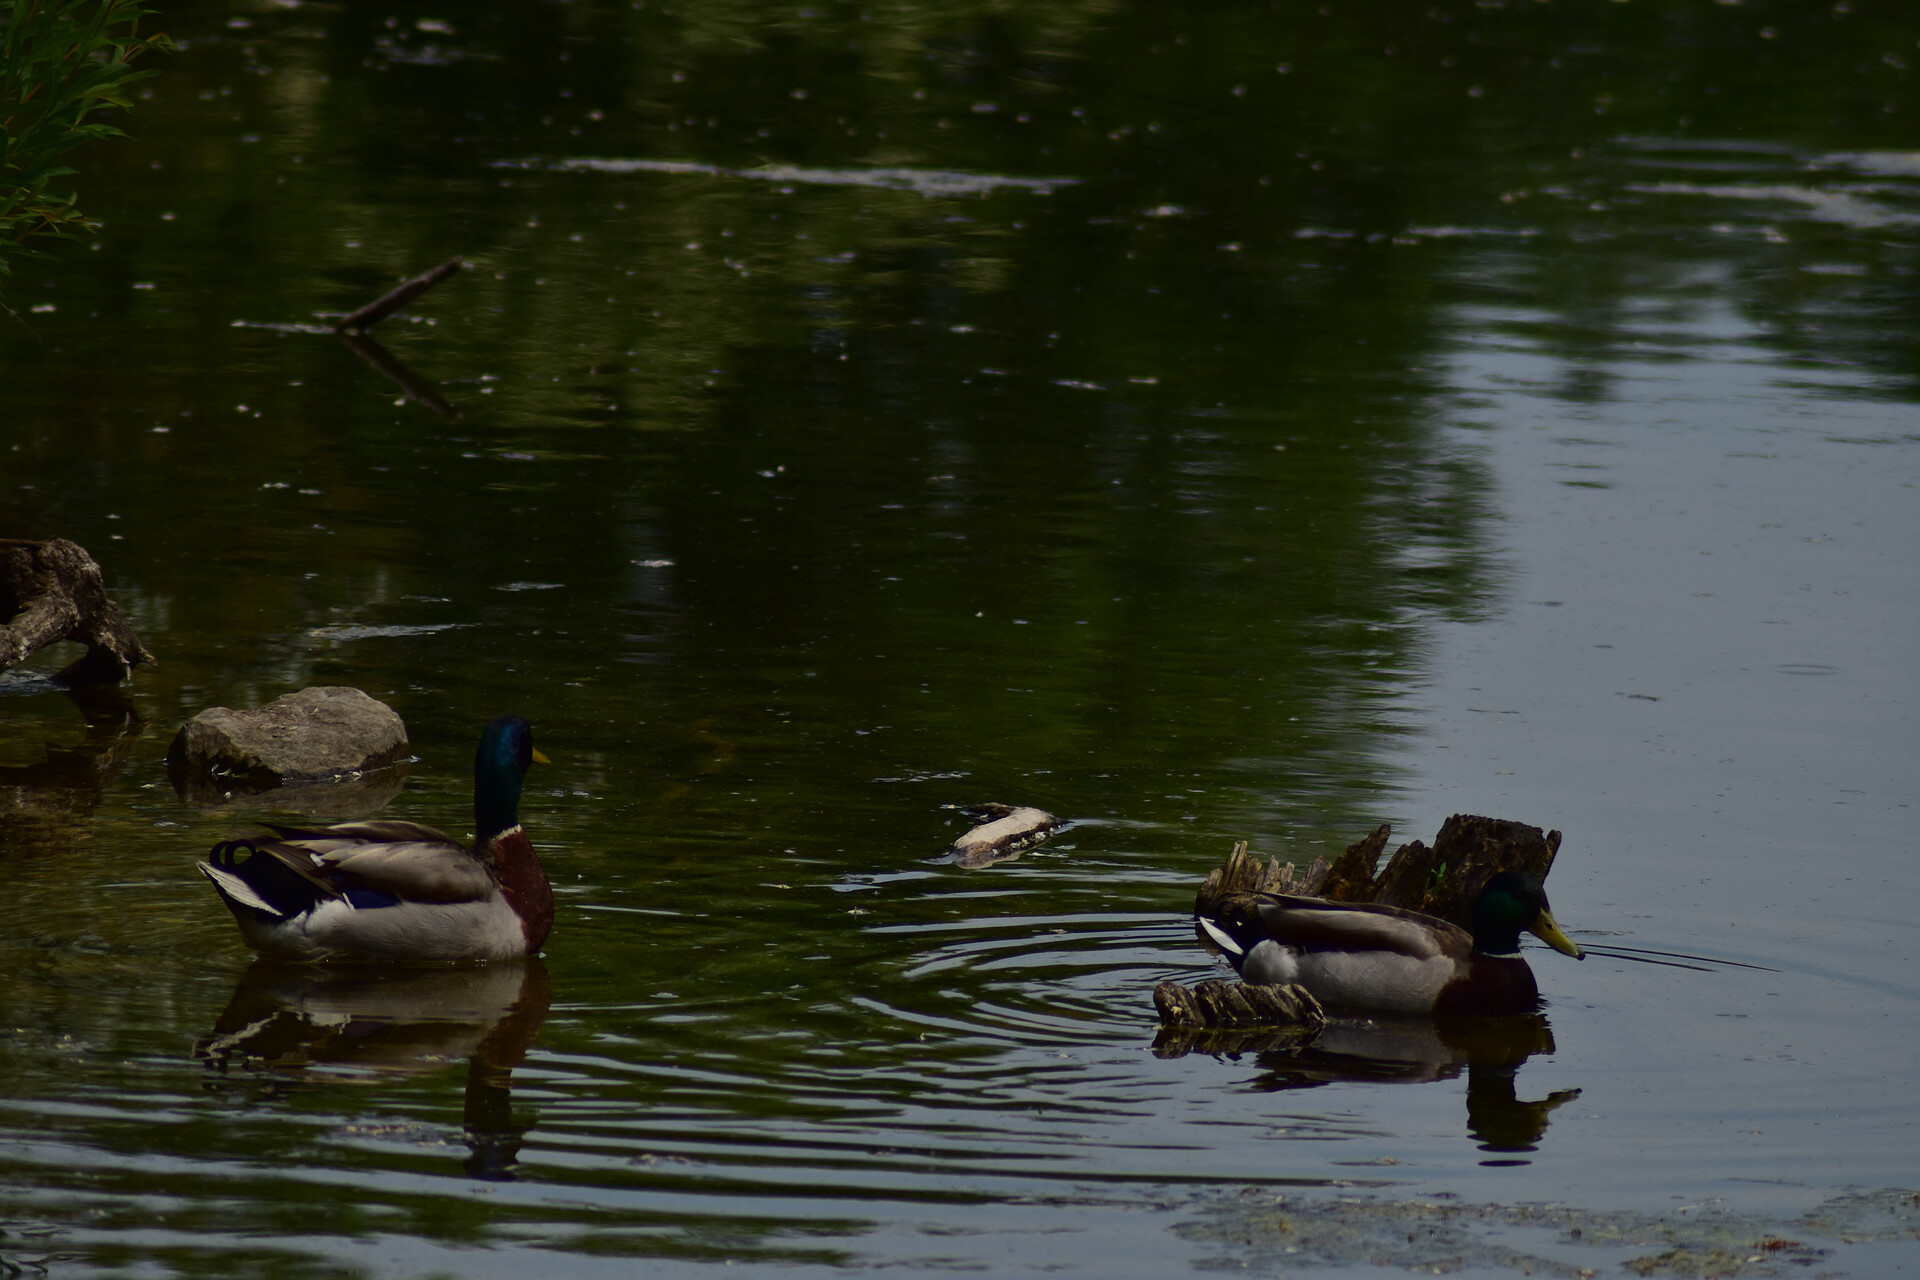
(60,61)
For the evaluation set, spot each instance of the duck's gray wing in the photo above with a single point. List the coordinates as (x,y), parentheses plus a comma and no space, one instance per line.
(405,859)
(1356,926)
(374,832)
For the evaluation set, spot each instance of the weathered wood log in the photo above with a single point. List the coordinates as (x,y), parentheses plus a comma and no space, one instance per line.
(53,591)
(1350,879)
(385,305)
(1242,873)
(1219,1003)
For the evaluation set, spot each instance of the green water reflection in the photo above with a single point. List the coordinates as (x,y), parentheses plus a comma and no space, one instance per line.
(863,412)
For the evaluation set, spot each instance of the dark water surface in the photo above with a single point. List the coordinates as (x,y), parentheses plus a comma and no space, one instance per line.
(1254,422)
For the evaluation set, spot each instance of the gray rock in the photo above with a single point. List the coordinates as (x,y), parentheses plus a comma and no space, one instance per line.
(318,734)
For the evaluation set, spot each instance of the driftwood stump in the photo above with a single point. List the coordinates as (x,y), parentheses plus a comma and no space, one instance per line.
(52,591)
(1444,880)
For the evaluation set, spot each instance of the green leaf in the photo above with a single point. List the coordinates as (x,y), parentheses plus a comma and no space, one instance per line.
(60,61)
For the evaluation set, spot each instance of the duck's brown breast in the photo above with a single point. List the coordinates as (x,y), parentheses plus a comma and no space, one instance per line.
(1492,986)
(523,883)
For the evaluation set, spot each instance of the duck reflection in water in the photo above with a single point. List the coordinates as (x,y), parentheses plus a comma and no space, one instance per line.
(290,1023)
(1406,1050)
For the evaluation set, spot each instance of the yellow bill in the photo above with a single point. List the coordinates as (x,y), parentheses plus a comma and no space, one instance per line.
(1548,932)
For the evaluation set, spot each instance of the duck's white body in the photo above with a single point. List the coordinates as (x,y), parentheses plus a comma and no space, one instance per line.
(1389,982)
(335,929)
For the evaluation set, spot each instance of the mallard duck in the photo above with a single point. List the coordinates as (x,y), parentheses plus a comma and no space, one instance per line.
(398,891)
(1362,956)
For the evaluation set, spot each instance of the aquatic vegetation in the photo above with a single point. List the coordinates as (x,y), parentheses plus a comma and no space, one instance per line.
(61,61)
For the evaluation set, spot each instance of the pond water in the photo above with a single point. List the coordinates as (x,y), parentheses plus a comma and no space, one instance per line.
(1255,423)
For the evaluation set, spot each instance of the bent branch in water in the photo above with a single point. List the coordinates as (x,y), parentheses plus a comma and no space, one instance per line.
(380,308)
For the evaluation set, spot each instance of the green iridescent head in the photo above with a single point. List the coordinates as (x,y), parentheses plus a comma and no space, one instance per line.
(499,768)
(1514,902)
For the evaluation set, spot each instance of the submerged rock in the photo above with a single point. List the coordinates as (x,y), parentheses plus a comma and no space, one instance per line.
(320,734)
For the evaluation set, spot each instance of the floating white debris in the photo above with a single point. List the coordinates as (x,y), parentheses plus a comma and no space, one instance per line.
(1005,832)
